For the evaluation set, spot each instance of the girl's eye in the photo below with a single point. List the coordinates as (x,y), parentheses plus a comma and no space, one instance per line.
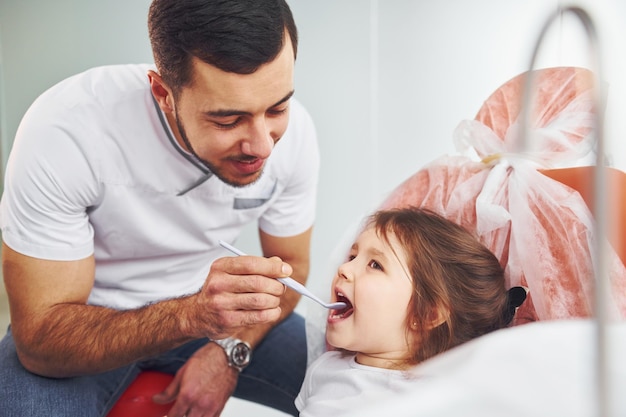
(375,265)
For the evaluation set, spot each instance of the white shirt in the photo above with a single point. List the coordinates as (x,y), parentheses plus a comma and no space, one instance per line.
(94,169)
(336,385)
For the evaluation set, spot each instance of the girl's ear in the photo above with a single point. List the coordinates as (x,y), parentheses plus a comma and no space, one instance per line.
(161,92)
(438,316)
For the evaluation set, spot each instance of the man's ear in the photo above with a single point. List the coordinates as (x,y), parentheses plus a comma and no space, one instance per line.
(161,92)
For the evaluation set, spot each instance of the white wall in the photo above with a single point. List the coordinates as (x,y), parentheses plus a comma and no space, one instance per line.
(387,81)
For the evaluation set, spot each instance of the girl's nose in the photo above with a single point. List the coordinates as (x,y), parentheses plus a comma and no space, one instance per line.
(344,271)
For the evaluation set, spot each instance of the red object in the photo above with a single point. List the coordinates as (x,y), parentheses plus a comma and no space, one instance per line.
(534,221)
(581,179)
(136,401)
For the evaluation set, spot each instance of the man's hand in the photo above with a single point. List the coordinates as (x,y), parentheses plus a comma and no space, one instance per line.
(202,386)
(236,294)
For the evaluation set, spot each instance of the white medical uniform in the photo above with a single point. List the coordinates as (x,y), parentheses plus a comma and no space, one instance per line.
(96,170)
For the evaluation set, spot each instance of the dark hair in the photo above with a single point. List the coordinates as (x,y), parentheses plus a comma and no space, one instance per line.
(233,35)
(452,272)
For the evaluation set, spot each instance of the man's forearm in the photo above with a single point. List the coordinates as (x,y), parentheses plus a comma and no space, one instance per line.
(80,339)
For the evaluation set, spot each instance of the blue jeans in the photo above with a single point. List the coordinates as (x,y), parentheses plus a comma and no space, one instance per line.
(273,378)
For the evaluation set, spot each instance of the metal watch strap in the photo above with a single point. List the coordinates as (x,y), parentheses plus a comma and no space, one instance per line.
(238,352)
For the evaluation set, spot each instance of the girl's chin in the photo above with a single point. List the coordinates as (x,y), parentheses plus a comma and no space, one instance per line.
(333,342)
(336,342)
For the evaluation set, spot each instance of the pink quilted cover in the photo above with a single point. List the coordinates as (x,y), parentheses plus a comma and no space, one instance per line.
(540,229)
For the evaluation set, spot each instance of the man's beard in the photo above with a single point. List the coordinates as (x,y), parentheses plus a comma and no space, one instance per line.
(206,163)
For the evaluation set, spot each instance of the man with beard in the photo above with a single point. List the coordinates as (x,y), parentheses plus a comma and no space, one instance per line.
(122,181)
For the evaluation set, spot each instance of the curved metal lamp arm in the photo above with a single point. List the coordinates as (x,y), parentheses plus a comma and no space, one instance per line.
(602,283)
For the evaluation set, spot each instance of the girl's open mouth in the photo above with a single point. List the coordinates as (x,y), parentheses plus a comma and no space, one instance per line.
(344,312)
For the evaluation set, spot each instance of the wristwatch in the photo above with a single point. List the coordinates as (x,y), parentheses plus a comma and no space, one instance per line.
(237,351)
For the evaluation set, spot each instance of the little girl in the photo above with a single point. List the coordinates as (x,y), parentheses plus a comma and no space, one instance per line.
(415,285)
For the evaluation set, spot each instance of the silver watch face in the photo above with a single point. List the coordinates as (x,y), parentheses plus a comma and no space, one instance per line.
(240,354)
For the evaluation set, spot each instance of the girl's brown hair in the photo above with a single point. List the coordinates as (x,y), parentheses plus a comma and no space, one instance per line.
(458,284)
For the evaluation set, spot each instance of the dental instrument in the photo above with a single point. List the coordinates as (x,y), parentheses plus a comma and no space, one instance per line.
(291,283)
